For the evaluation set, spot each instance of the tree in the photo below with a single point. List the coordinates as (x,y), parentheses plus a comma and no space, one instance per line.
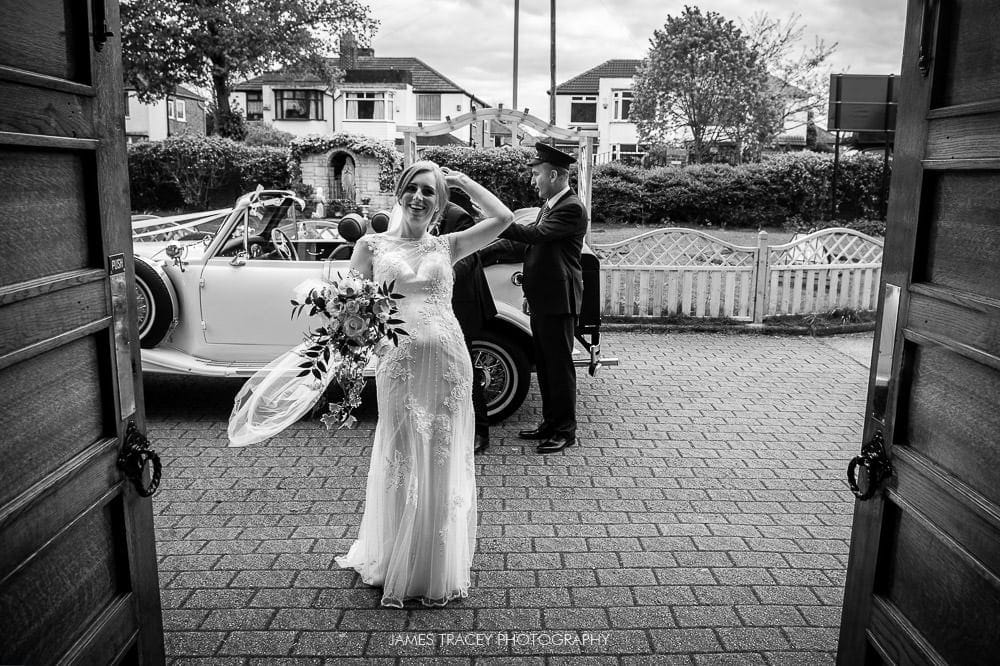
(800,75)
(701,74)
(215,43)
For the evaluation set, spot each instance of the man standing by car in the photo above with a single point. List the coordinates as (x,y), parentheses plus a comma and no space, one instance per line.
(471,300)
(553,287)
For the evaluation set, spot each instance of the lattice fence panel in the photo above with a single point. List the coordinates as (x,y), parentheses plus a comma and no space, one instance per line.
(673,247)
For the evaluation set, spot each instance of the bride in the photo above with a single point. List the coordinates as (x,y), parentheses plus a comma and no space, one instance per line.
(418,532)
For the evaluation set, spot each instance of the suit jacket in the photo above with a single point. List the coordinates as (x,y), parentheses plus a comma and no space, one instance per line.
(553,279)
(471,297)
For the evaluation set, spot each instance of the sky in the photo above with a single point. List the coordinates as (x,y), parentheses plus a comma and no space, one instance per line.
(471,41)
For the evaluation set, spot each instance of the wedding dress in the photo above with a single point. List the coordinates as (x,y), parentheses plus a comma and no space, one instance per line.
(418,533)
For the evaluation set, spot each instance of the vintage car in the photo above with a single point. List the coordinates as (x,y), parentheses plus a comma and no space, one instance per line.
(213,293)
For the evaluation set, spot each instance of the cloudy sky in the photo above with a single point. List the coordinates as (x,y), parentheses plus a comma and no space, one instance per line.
(471,41)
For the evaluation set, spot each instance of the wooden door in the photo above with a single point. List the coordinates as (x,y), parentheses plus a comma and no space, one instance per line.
(923,583)
(78,580)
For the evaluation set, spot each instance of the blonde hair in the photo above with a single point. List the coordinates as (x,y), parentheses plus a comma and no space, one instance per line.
(440,184)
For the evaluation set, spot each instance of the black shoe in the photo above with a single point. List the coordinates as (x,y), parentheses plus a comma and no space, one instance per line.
(541,432)
(482,442)
(556,443)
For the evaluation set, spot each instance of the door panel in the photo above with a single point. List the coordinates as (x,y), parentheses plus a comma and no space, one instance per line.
(78,580)
(923,582)
(251,305)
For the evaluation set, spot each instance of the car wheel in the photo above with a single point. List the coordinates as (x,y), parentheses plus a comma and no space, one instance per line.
(154,308)
(506,372)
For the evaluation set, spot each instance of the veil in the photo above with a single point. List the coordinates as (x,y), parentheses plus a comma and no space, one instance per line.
(274,398)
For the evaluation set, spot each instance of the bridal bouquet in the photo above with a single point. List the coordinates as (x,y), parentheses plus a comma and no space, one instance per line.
(358,316)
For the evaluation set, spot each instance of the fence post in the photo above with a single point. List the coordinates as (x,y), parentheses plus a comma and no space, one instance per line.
(760,279)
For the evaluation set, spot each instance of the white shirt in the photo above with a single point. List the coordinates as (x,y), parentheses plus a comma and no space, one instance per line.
(551,201)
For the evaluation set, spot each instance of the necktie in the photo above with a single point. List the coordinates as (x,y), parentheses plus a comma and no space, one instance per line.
(543,213)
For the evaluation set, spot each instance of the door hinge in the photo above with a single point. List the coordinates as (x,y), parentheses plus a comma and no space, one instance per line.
(201,282)
(204,326)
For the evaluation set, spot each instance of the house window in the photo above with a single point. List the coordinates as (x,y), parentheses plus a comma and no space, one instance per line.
(628,152)
(369,105)
(180,112)
(298,104)
(583,110)
(255,105)
(170,109)
(623,103)
(428,107)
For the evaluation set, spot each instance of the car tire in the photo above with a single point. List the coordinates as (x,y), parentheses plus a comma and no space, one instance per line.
(154,308)
(507,372)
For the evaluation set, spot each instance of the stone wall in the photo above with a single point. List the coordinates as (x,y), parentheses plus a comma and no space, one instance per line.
(318,172)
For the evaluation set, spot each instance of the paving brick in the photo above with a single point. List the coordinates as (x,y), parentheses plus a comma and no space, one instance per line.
(192,642)
(331,643)
(684,641)
(702,521)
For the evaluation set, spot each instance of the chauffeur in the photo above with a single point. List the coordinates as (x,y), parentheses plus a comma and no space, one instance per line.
(553,287)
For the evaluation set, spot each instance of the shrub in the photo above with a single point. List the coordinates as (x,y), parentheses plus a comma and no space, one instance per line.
(504,170)
(266,134)
(790,186)
(197,172)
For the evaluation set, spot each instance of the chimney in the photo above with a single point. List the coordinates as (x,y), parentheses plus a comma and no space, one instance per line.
(348,51)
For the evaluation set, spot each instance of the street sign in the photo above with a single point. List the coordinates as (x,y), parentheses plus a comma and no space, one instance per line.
(862,103)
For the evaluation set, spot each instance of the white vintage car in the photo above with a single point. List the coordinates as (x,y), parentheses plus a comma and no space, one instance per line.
(214,291)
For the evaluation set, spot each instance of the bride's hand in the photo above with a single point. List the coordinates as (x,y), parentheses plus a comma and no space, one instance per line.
(455,178)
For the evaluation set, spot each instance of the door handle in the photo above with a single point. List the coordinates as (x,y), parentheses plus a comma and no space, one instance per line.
(134,459)
(876,464)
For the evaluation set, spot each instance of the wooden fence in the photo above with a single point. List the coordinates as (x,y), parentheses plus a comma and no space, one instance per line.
(685,272)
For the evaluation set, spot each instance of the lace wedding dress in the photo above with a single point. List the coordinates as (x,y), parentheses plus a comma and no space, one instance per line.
(418,533)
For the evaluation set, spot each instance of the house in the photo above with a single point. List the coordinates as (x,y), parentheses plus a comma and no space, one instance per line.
(182,112)
(376,95)
(600,99)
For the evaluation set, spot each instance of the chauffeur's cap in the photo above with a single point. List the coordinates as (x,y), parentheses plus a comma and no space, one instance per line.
(553,156)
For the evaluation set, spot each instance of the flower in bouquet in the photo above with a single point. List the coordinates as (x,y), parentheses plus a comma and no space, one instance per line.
(358,315)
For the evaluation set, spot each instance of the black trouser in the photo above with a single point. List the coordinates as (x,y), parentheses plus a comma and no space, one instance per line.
(478,395)
(552,336)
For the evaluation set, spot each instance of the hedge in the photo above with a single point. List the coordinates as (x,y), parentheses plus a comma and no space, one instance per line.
(788,189)
(198,172)
(791,189)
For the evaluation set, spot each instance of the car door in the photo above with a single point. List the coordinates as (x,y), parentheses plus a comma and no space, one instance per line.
(245,300)
(923,581)
(78,568)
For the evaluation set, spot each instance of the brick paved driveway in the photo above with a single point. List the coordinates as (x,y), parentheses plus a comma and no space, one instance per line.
(704,520)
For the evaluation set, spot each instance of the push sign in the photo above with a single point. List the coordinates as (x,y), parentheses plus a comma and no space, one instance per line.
(116,264)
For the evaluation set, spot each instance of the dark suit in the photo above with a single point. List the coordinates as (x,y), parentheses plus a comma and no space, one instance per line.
(471,300)
(553,287)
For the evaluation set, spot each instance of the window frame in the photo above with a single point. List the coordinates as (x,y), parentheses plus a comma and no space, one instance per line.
(619,97)
(259,101)
(428,96)
(180,111)
(312,97)
(581,100)
(385,96)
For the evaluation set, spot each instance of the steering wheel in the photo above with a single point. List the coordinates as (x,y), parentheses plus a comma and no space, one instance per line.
(283,246)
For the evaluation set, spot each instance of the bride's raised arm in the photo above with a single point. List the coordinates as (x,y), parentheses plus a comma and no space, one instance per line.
(361,258)
(484,232)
